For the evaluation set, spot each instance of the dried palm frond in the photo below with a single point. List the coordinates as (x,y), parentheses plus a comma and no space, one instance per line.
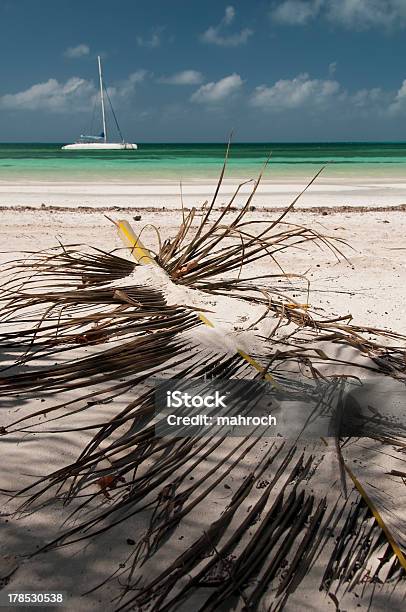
(213,248)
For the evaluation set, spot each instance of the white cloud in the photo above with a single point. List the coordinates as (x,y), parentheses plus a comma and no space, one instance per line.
(368,98)
(352,14)
(332,68)
(364,14)
(296,12)
(398,105)
(127,87)
(294,93)
(185,77)
(153,41)
(76,52)
(229,15)
(304,96)
(220,34)
(214,92)
(75,94)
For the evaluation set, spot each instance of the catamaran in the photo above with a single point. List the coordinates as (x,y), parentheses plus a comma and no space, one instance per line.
(101,142)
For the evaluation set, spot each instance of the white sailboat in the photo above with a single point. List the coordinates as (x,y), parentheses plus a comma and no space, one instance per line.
(94,143)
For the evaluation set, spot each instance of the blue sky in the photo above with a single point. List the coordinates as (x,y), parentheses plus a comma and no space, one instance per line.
(185,70)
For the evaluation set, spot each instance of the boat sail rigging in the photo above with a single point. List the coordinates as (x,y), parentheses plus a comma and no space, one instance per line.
(101,142)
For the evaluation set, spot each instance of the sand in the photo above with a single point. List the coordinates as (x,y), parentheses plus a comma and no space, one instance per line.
(330,192)
(370,286)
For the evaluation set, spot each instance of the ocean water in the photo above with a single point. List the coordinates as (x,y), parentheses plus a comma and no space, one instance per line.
(174,162)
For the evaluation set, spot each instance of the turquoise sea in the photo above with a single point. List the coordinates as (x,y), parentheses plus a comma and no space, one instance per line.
(172,162)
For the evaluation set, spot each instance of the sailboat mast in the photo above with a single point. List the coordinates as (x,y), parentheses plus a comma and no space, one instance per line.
(102,99)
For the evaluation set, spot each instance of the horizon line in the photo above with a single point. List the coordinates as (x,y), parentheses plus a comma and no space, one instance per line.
(222,142)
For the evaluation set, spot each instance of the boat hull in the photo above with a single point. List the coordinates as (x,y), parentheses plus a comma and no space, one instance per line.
(100,146)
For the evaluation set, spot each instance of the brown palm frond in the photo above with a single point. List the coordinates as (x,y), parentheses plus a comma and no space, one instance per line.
(65,265)
(212,248)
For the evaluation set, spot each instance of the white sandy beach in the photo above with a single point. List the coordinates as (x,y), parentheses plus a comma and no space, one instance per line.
(329,192)
(370,286)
